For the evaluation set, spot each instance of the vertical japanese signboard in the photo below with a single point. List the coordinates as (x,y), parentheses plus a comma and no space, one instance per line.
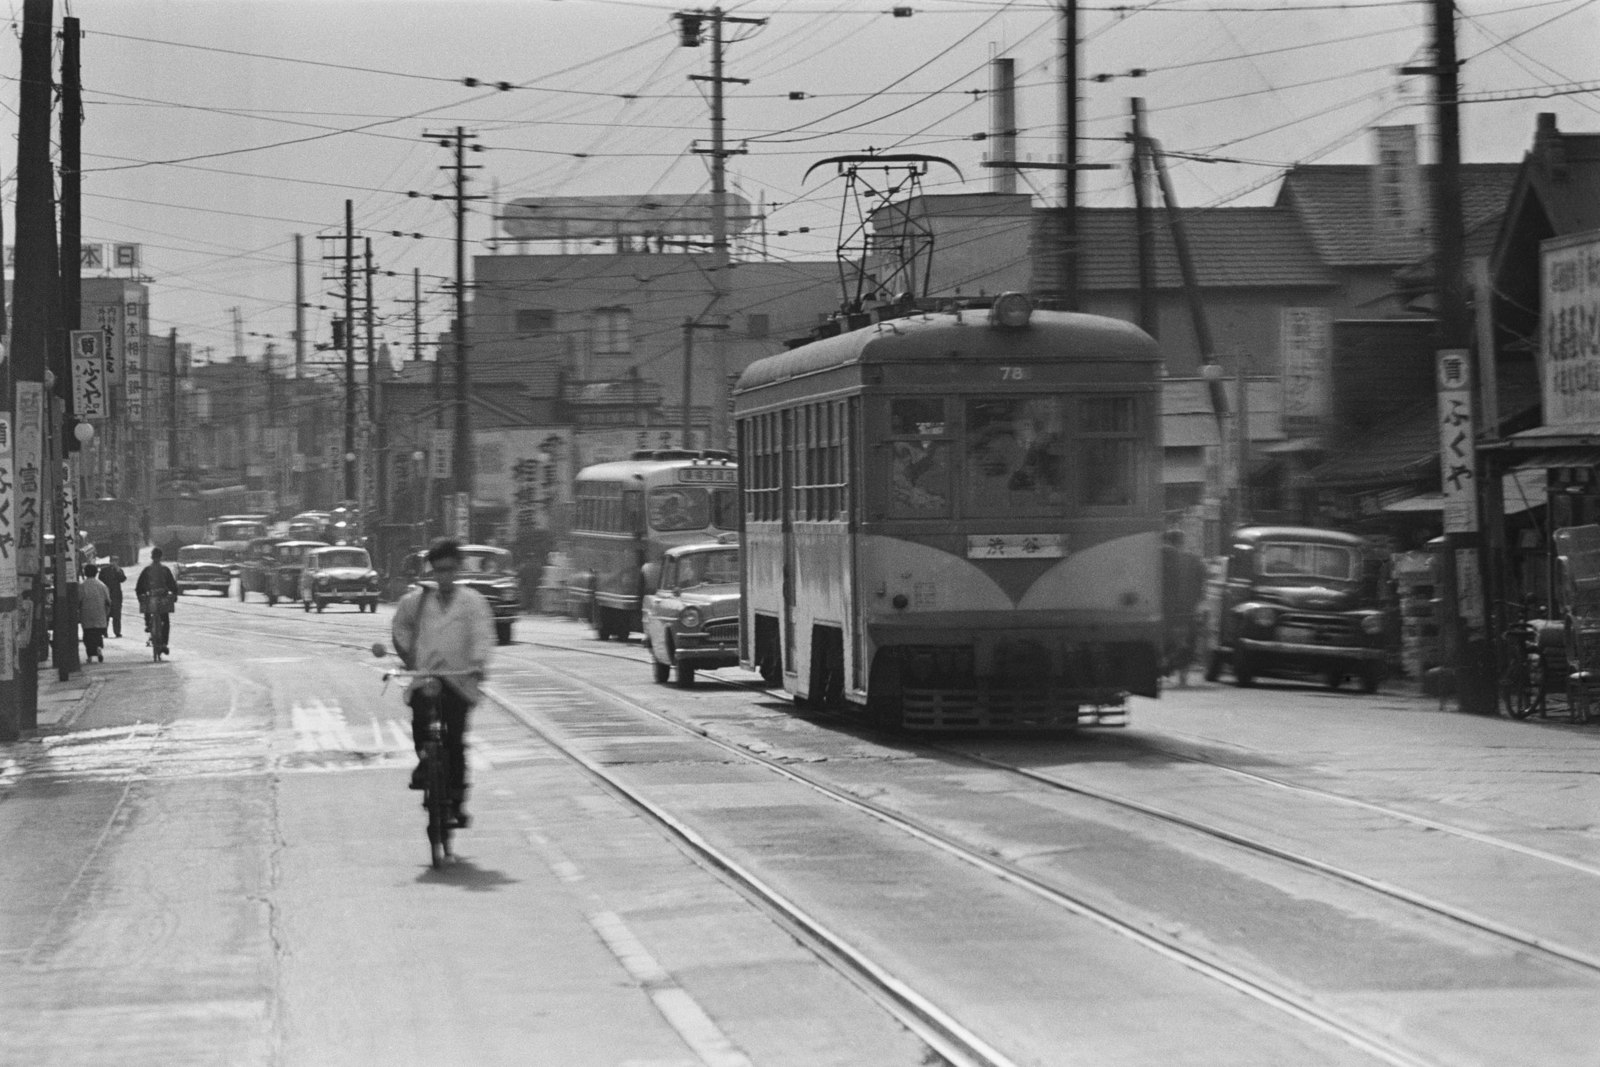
(133,357)
(1570,332)
(442,454)
(69,525)
(109,318)
(8,552)
(29,465)
(88,374)
(1458,459)
(1305,336)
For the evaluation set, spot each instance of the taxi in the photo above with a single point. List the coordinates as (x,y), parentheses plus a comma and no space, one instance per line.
(691,620)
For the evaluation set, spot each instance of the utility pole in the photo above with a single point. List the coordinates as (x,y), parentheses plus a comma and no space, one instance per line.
(372,461)
(462,451)
(1069,154)
(67,443)
(689,27)
(1144,233)
(36,296)
(299,305)
(349,351)
(172,394)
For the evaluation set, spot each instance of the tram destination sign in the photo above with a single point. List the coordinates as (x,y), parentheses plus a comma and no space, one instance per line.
(1016,546)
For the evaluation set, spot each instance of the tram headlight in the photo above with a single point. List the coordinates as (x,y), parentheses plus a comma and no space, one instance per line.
(1011,310)
(689,618)
(1372,624)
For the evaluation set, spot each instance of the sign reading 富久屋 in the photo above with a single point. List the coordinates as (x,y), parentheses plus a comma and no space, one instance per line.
(1569,333)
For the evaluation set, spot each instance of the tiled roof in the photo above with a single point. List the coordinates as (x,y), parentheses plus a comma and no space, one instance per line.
(1334,201)
(1231,248)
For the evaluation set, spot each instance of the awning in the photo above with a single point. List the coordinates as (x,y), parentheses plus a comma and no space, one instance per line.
(1519,491)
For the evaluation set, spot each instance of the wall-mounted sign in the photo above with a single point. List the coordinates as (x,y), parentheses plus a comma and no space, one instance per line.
(1458,456)
(1569,336)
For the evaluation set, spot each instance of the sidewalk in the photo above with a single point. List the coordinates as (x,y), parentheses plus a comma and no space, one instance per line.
(62,703)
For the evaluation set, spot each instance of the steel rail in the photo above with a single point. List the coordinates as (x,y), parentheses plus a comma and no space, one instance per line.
(1261,989)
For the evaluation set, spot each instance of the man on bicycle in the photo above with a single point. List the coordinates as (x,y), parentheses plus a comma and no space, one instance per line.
(445,629)
(155,578)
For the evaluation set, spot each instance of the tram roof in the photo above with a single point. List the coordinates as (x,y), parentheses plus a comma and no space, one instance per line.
(897,340)
(626,468)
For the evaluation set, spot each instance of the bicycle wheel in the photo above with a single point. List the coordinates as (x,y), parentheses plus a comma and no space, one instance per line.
(437,797)
(1518,694)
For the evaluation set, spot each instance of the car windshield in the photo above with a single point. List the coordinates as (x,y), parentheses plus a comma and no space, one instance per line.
(293,553)
(345,557)
(479,562)
(1302,559)
(203,554)
(708,568)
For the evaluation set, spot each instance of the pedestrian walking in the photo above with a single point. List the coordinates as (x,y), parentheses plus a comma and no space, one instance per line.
(1183,584)
(111,577)
(94,608)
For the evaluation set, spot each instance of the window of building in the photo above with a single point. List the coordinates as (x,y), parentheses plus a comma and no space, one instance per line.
(532,321)
(613,332)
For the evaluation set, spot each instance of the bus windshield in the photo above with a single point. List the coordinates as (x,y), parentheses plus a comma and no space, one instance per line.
(692,507)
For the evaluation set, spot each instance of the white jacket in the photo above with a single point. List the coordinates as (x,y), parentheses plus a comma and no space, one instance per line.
(456,639)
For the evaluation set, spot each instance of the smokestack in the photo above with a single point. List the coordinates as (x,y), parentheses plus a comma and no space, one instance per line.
(1003,124)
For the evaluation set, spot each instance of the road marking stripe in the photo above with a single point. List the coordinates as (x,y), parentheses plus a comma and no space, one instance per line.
(682,1012)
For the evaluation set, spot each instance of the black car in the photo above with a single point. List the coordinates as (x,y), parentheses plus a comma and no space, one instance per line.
(487,569)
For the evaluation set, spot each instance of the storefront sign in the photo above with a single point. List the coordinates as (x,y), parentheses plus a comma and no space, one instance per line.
(1458,459)
(1306,340)
(8,552)
(88,374)
(1569,334)
(28,462)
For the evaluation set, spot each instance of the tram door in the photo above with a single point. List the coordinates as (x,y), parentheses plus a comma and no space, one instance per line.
(790,563)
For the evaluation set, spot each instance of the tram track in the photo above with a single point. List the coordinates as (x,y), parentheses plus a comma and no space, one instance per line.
(911,1007)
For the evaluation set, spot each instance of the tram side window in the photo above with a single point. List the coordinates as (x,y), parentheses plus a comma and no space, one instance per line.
(919,472)
(1109,446)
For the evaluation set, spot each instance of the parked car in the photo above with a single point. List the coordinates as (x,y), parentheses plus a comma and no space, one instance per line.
(203,567)
(691,620)
(1298,601)
(338,574)
(487,569)
(255,564)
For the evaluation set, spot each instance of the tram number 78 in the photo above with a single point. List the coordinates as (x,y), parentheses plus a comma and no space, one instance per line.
(1013,374)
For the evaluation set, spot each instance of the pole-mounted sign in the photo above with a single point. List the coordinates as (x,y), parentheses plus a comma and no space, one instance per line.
(88,374)
(8,553)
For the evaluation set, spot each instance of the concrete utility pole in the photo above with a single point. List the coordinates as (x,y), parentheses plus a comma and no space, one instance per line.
(1069,155)
(462,450)
(349,352)
(299,305)
(689,26)
(1144,230)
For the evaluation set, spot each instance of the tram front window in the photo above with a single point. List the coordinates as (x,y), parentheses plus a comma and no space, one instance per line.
(1016,452)
(919,472)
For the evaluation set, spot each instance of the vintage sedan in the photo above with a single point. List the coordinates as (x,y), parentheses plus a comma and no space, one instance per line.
(691,621)
(487,569)
(203,567)
(338,574)
(281,580)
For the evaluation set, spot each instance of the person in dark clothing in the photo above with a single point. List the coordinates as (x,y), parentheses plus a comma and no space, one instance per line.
(112,577)
(1183,585)
(155,578)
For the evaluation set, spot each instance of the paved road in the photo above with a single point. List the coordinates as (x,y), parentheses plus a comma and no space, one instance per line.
(223,866)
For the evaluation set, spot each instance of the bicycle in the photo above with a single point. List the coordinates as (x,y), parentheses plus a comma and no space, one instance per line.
(435,767)
(158,606)
(1522,680)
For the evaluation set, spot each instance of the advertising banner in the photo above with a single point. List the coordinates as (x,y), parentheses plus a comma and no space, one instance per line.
(88,374)
(69,524)
(109,319)
(442,455)
(8,552)
(133,358)
(1569,335)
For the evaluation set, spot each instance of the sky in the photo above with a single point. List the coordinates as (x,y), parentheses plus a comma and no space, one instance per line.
(217,130)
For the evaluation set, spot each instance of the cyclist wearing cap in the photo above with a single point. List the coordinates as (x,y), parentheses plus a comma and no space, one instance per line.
(446,629)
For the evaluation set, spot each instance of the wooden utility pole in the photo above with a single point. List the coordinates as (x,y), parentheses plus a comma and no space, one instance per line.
(1069,154)
(66,443)
(1144,230)
(349,351)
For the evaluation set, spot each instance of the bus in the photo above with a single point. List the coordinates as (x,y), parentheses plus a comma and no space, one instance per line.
(627,513)
(953,520)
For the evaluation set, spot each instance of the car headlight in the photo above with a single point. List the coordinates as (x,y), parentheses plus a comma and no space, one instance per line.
(1372,624)
(1262,615)
(689,618)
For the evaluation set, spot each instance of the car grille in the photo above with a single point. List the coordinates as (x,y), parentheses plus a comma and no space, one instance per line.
(723,630)
(1308,629)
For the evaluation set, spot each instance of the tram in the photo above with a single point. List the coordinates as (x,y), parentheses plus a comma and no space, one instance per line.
(627,513)
(953,520)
